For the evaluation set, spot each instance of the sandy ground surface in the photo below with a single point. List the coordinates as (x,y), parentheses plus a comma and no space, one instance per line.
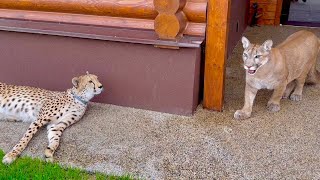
(118,140)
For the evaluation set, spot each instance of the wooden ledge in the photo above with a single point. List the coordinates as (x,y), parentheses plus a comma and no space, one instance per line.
(193,29)
(195,9)
(96,32)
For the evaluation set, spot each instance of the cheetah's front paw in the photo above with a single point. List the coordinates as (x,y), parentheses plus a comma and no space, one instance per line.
(49,159)
(9,158)
(240,115)
(48,155)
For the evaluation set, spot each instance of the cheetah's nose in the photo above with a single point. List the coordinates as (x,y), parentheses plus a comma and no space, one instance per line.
(101,87)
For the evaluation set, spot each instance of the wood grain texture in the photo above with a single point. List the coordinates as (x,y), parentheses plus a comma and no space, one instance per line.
(195,29)
(266,22)
(171,20)
(195,10)
(265,1)
(278,13)
(216,53)
(119,8)
(271,11)
(266,7)
(170,26)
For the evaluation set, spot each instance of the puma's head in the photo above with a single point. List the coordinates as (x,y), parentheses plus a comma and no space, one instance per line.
(255,55)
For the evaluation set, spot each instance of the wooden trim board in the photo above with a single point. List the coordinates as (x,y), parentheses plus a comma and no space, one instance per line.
(216,53)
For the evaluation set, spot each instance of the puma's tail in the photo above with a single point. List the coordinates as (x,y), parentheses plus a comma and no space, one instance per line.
(314,74)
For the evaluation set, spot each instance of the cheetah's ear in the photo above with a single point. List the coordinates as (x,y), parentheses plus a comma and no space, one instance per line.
(87,72)
(75,82)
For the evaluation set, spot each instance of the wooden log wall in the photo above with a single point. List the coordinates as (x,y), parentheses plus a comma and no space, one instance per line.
(271,10)
(189,18)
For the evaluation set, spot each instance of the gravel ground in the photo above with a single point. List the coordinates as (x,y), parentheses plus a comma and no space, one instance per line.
(151,145)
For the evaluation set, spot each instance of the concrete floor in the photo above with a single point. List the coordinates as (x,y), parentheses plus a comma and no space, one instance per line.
(118,140)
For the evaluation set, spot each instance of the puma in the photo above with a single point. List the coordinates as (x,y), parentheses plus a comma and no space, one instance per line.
(284,69)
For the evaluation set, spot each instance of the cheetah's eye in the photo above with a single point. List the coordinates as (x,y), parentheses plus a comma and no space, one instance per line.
(90,82)
(257,56)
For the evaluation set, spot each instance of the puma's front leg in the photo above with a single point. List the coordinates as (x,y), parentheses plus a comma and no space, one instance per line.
(274,102)
(245,112)
(288,90)
(297,93)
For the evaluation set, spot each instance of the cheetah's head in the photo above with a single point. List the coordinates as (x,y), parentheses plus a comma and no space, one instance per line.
(87,86)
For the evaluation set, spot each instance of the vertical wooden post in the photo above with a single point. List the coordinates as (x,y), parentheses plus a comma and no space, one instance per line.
(171,20)
(216,53)
(278,13)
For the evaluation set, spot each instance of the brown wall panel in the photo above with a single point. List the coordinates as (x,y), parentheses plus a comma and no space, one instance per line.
(142,76)
(238,22)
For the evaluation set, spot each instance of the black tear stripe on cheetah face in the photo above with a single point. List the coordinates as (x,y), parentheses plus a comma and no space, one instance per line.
(57,110)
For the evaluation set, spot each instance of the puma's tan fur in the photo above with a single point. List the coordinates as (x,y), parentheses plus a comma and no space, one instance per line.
(285,69)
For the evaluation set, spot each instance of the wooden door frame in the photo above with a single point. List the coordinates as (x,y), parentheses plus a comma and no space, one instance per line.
(218,14)
(278,13)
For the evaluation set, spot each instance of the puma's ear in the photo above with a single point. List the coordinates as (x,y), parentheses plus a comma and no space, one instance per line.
(75,82)
(267,45)
(245,42)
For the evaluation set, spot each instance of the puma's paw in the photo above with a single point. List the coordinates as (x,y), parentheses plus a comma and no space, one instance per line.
(240,115)
(273,107)
(296,97)
(285,96)
(9,158)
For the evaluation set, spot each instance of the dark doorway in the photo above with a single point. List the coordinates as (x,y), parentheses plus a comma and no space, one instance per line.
(301,13)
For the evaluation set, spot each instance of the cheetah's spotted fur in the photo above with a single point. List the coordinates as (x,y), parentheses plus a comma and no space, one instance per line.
(57,110)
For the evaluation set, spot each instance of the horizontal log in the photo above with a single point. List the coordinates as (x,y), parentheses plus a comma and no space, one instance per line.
(195,10)
(194,29)
(138,9)
(96,32)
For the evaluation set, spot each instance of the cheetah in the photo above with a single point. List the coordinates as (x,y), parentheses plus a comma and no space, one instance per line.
(57,110)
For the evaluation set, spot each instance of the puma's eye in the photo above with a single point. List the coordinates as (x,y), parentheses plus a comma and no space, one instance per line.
(90,82)
(257,56)
(245,55)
